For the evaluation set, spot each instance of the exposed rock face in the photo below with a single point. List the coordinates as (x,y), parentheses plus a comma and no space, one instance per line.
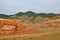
(11,27)
(8,26)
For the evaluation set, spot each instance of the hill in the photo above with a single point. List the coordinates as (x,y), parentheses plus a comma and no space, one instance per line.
(32,17)
(30,26)
(3,16)
(47,30)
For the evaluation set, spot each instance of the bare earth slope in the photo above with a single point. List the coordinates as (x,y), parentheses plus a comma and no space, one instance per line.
(12,27)
(48,30)
(51,24)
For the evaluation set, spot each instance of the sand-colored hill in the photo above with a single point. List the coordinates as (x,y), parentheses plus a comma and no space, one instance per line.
(19,28)
(46,30)
(51,24)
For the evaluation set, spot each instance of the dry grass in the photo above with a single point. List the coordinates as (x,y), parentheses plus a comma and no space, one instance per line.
(39,36)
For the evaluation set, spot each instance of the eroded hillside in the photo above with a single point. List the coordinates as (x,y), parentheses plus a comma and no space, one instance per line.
(36,26)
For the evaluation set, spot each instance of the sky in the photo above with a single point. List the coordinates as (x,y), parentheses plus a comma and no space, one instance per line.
(38,6)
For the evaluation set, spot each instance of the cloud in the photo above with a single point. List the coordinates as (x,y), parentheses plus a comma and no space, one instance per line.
(14,6)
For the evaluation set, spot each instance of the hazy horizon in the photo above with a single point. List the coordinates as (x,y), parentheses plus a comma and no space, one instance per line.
(38,6)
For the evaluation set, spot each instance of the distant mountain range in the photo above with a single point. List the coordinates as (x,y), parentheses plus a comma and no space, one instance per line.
(30,16)
(3,16)
(28,13)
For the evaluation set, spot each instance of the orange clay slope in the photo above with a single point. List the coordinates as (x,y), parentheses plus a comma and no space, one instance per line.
(12,27)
